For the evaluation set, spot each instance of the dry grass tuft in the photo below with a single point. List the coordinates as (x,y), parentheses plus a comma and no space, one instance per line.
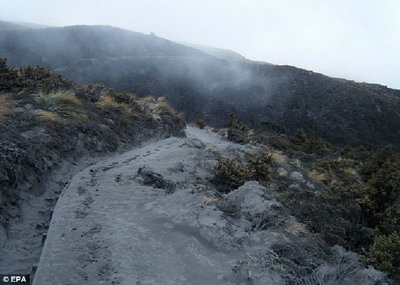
(62,104)
(147,102)
(159,106)
(164,106)
(209,200)
(319,176)
(214,151)
(109,104)
(62,98)
(46,116)
(148,99)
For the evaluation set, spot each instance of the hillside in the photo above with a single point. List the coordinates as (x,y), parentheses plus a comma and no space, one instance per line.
(20,26)
(206,87)
(51,128)
(218,52)
(10,26)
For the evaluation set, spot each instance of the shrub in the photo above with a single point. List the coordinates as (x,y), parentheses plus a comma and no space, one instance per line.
(375,161)
(384,253)
(335,214)
(200,124)
(334,172)
(299,138)
(273,127)
(260,167)
(230,175)
(390,219)
(316,146)
(300,142)
(281,143)
(358,153)
(8,76)
(125,98)
(383,191)
(238,131)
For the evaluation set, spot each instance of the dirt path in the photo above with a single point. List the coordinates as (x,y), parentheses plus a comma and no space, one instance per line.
(109,228)
(22,249)
(25,237)
(150,216)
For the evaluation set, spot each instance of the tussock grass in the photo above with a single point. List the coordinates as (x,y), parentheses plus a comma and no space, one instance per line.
(5,105)
(165,107)
(209,200)
(159,106)
(109,104)
(147,102)
(148,99)
(61,104)
(46,116)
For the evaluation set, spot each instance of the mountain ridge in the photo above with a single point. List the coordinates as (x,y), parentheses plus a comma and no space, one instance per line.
(210,88)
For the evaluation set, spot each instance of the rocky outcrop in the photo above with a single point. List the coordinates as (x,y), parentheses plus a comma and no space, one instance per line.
(148,177)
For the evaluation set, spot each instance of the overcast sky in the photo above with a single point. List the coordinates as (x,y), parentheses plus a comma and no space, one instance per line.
(353,39)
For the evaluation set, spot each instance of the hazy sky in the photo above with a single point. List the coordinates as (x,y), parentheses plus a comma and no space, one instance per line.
(354,39)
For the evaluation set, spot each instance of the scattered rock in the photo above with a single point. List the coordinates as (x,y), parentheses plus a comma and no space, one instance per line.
(258,207)
(149,178)
(252,199)
(295,175)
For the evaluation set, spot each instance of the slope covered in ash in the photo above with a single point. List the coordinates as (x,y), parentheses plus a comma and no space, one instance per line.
(51,128)
(210,88)
(154,215)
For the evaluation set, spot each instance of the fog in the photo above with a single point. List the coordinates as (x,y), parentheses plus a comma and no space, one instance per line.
(356,40)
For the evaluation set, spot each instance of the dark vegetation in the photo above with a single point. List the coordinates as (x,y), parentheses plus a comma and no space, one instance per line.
(200,124)
(357,203)
(281,98)
(46,120)
(230,175)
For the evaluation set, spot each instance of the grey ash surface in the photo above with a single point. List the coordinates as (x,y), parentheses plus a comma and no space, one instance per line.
(116,224)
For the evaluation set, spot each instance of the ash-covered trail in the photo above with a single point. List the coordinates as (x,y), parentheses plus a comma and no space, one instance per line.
(115,224)
(152,216)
